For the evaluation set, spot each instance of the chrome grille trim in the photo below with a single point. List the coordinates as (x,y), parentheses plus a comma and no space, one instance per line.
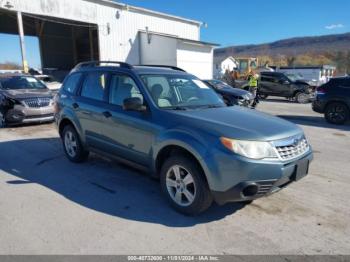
(291,148)
(37,102)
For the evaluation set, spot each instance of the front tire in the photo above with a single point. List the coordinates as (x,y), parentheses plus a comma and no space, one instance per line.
(72,145)
(302,98)
(337,113)
(184,185)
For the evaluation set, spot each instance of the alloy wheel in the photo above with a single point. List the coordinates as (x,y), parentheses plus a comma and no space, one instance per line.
(70,143)
(337,113)
(302,98)
(180,185)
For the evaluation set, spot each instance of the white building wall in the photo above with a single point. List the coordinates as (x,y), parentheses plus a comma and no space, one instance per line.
(117,36)
(195,59)
(150,53)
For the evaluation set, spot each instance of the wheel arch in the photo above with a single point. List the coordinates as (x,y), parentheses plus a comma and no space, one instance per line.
(175,149)
(337,101)
(66,120)
(182,142)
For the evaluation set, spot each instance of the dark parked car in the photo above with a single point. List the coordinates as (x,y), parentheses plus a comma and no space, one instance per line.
(232,96)
(24,99)
(278,84)
(172,124)
(333,100)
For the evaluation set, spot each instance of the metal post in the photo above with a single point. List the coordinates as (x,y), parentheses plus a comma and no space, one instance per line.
(91,44)
(75,54)
(21,40)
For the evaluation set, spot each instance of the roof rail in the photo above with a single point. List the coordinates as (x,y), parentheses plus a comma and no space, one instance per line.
(96,63)
(166,66)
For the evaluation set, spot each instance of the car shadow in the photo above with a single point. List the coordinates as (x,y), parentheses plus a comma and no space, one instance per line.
(279,100)
(98,184)
(316,121)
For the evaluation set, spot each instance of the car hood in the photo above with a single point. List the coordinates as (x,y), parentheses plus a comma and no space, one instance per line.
(301,81)
(234,91)
(238,123)
(26,93)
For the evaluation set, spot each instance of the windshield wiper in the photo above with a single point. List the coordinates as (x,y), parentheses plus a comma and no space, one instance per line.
(211,106)
(175,108)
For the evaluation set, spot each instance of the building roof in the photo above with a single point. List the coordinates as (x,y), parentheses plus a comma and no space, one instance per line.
(185,40)
(146,11)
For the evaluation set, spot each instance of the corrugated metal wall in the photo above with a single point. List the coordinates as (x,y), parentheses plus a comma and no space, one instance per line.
(117,32)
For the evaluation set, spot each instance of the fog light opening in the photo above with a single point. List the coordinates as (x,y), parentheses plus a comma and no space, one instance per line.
(250,191)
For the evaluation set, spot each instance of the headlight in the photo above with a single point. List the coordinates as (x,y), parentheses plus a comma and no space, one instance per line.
(249,149)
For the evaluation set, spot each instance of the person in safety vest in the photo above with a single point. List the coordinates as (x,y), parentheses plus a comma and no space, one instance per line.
(253,86)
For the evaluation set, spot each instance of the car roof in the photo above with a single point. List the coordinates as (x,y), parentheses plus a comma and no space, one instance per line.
(157,70)
(125,67)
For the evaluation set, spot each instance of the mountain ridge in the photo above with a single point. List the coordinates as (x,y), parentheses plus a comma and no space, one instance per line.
(314,45)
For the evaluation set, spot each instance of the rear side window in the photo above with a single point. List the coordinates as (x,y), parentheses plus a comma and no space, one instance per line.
(94,85)
(339,82)
(72,82)
(268,79)
(345,82)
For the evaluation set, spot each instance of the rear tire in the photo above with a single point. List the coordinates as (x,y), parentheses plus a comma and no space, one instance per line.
(337,113)
(72,145)
(302,98)
(2,120)
(184,185)
(261,96)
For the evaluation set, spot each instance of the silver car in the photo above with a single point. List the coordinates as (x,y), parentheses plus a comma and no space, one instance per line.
(24,99)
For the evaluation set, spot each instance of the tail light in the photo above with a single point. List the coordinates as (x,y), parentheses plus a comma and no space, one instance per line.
(320,90)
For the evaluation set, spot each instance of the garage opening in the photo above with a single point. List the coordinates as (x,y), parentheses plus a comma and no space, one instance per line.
(62,43)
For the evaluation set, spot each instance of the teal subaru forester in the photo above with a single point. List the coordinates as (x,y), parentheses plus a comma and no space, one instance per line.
(167,121)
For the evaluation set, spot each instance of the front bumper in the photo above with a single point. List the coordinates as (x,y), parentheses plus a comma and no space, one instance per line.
(21,114)
(231,176)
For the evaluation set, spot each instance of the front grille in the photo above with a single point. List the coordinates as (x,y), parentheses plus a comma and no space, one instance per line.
(39,116)
(293,148)
(37,102)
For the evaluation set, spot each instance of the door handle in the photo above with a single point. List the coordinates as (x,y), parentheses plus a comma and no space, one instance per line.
(107,114)
(75,105)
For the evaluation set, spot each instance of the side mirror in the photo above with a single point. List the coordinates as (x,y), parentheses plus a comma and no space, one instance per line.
(133,104)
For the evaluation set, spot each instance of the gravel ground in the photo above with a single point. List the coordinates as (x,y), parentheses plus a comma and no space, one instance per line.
(51,206)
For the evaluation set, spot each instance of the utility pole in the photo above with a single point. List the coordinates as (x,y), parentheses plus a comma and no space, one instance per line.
(21,41)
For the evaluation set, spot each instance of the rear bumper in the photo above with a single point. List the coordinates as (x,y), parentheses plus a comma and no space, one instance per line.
(318,106)
(20,114)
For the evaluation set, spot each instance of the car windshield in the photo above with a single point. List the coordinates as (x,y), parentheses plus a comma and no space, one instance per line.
(180,92)
(20,82)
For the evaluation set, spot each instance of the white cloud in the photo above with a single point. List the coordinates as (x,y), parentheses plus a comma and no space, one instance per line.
(334,26)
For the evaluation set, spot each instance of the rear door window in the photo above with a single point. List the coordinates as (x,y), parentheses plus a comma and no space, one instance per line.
(94,85)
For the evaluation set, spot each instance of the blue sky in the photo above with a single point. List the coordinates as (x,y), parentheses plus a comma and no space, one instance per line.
(231,22)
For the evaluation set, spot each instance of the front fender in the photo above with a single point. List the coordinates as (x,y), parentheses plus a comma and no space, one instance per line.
(194,144)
